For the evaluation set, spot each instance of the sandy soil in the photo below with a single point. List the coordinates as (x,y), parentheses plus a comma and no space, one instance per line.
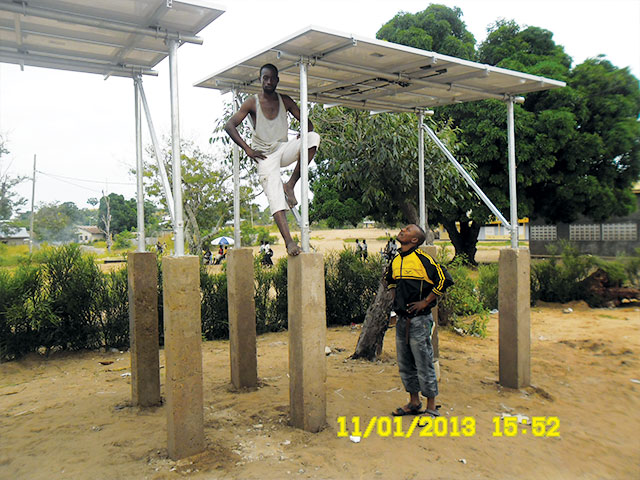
(326,240)
(69,417)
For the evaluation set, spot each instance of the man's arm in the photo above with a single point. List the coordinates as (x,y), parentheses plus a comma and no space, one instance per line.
(231,127)
(292,107)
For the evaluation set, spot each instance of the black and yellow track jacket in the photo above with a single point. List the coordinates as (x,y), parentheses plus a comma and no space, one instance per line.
(414,275)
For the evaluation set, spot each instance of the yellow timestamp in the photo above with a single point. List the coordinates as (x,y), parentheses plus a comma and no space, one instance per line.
(511,426)
(422,426)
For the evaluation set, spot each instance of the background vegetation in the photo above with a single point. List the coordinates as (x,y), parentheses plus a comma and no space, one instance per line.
(58,299)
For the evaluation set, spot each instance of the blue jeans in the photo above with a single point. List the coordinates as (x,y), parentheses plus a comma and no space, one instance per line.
(415,359)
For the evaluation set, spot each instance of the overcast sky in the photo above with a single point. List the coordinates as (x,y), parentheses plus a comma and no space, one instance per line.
(81,127)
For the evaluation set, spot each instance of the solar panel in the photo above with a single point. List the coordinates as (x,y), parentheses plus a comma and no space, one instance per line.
(374,74)
(115,37)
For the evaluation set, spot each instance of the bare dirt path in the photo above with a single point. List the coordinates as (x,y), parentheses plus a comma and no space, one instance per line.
(68,416)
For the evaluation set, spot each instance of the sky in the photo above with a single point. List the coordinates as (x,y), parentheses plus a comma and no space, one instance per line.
(81,127)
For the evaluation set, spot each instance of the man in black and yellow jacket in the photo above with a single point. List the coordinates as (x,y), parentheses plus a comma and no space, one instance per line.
(417,281)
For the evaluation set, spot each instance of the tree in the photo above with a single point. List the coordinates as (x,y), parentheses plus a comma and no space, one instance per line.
(371,160)
(55,221)
(206,195)
(10,201)
(438,29)
(576,147)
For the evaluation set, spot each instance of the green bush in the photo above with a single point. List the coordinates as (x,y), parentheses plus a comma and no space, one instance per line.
(214,311)
(124,240)
(461,305)
(271,296)
(488,285)
(350,285)
(114,314)
(22,308)
(75,287)
(558,281)
(631,265)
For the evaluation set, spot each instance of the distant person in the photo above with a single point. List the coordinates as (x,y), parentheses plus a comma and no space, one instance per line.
(159,248)
(417,282)
(271,148)
(207,256)
(266,255)
(219,256)
(365,249)
(358,248)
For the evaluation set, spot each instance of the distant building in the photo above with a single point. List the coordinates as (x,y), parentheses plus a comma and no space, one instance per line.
(492,231)
(13,235)
(616,235)
(88,234)
(368,224)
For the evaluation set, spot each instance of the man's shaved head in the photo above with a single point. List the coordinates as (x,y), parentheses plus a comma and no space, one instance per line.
(269,66)
(420,235)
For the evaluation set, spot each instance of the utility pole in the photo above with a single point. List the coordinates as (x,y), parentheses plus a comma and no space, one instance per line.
(33,197)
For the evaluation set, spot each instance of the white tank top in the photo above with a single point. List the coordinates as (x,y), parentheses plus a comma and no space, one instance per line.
(268,134)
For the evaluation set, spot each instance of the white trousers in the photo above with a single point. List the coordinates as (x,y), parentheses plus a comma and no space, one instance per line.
(269,170)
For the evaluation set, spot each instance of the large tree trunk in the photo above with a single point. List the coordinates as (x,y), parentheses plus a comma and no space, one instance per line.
(465,240)
(375,324)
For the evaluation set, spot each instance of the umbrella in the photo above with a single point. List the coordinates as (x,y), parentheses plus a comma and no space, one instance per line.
(222,241)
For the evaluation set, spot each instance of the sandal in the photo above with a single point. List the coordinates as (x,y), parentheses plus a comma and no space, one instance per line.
(413,410)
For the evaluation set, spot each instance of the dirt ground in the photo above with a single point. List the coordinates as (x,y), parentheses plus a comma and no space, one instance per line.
(326,240)
(69,417)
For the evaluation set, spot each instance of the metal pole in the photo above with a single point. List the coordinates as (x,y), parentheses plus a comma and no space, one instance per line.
(33,198)
(466,176)
(304,157)
(139,170)
(513,198)
(236,183)
(421,195)
(178,225)
(23,9)
(156,148)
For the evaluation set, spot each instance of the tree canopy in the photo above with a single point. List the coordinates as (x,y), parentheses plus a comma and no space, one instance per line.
(577,148)
(373,158)
(206,193)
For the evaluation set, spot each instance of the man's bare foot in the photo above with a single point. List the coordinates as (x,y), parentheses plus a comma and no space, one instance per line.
(290,196)
(293,249)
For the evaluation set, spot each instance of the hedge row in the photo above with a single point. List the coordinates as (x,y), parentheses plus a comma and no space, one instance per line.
(60,299)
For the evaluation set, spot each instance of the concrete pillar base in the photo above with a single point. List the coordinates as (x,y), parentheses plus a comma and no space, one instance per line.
(242,318)
(514,318)
(183,356)
(307,340)
(142,271)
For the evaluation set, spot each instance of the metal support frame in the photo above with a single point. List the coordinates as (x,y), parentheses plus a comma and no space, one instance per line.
(178,225)
(156,148)
(421,194)
(237,240)
(139,169)
(466,176)
(96,22)
(513,198)
(304,156)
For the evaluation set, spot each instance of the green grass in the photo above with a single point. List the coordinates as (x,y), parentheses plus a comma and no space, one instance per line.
(10,255)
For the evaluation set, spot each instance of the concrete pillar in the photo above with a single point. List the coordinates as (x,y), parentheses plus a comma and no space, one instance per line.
(242,318)
(432,251)
(307,340)
(142,272)
(183,356)
(514,318)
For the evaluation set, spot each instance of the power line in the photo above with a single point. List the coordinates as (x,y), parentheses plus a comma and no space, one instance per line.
(84,180)
(70,183)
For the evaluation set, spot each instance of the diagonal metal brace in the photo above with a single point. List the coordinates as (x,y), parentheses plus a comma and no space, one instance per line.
(466,175)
